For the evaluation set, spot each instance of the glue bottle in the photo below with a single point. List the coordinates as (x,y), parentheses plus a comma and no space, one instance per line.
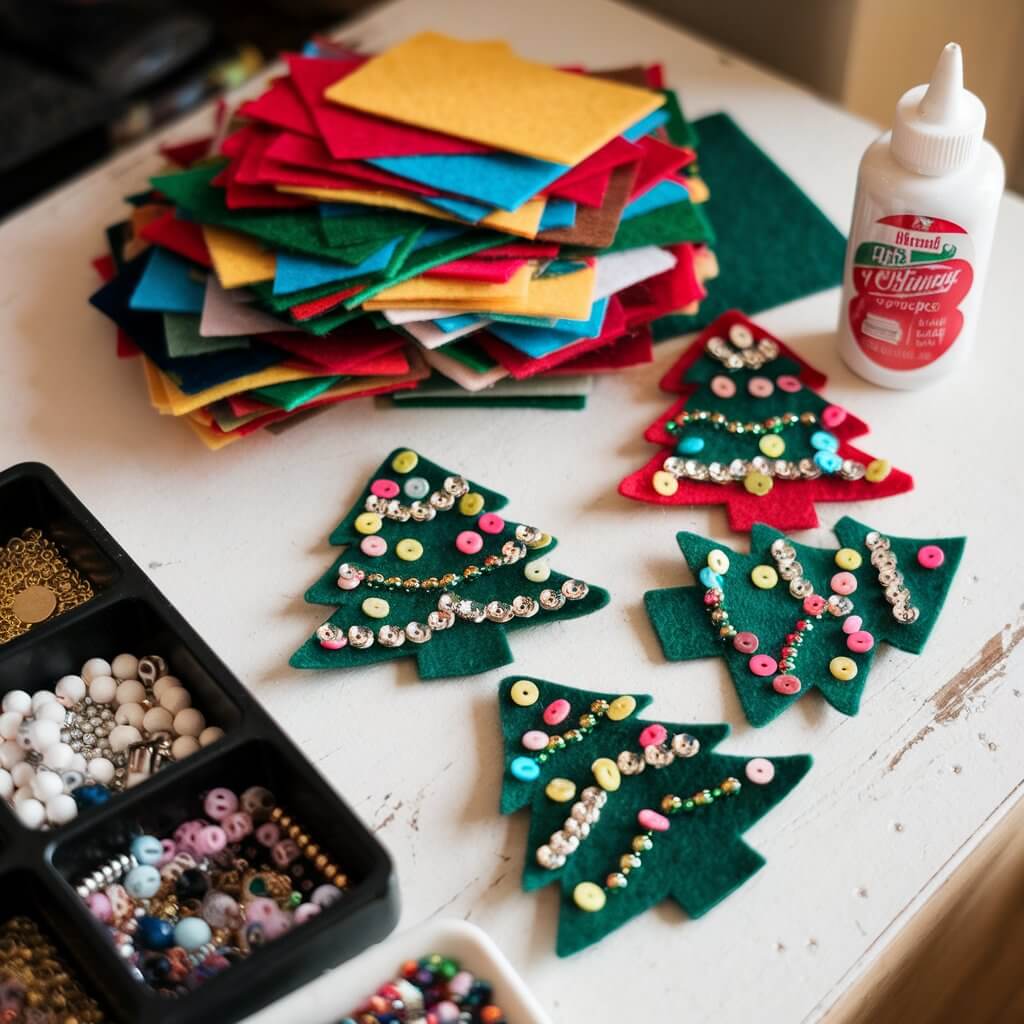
(923,219)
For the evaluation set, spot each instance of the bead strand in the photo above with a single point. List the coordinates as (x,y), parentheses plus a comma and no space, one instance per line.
(883,558)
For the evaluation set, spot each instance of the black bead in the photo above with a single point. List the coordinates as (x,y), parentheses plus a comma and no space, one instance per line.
(192,885)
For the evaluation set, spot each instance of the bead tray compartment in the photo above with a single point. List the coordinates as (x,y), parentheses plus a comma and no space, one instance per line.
(39,869)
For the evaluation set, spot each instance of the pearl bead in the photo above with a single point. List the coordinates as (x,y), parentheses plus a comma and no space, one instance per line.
(61,809)
(189,722)
(131,714)
(101,770)
(9,724)
(58,756)
(43,734)
(123,736)
(210,734)
(31,813)
(124,666)
(46,785)
(6,784)
(175,699)
(23,774)
(52,711)
(131,691)
(157,720)
(21,794)
(17,700)
(103,689)
(11,753)
(95,667)
(71,688)
(184,746)
(77,763)
(40,699)
(165,683)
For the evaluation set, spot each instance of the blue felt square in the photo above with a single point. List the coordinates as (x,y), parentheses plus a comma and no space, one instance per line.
(168,285)
(646,125)
(537,342)
(665,193)
(558,213)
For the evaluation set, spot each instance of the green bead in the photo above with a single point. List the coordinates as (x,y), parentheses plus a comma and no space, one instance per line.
(449,968)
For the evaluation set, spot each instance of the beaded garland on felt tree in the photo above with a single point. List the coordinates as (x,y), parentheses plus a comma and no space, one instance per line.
(432,571)
(788,618)
(627,812)
(752,433)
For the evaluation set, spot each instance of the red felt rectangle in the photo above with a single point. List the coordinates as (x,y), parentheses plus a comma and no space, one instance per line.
(183,237)
(528,250)
(660,162)
(351,135)
(317,307)
(495,271)
(344,352)
(281,107)
(584,191)
(242,197)
(612,154)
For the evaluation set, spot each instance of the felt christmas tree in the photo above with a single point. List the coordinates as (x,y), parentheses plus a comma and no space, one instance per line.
(627,812)
(431,570)
(788,617)
(751,432)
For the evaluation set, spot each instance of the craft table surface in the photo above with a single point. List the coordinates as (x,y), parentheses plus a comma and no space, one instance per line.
(899,794)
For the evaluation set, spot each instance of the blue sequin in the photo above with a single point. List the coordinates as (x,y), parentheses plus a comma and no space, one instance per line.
(690,445)
(525,769)
(824,441)
(827,462)
(710,578)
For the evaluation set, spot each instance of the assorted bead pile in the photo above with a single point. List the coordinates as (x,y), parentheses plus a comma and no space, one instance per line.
(104,730)
(184,907)
(435,989)
(36,985)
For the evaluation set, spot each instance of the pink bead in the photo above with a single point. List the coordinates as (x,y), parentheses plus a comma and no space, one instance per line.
(786,684)
(170,849)
(490,523)
(261,909)
(373,547)
(219,803)
(187,835)
(762,665)
(335,644)
(833,415)
(852,623)
(814,604)
(844,583)
(745,643)
(268,834)
(211,840)
(285,852)
(557,711)
(723,387)
(760,771)
(100,908)
(860,642)
(652,820)
(931,556)
(349,582)
(469,542)
(654,735)
(760,387)
(237,826)
(304,912)
(446,1012)
(535,739)
(384,488)
(788,383)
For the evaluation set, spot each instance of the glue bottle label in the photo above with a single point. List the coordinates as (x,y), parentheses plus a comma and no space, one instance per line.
(910,274)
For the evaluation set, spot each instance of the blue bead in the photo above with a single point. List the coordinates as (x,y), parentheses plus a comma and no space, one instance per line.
(142,882)
(191,933)
(690,445)
(827,462)
(525,769)
(147,849)
(154,933)
(710,578)
(824,441)
(90,796)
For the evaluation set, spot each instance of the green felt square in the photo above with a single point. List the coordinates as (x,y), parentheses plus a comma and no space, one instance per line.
(669,225)
(682,619)
(698,861)
(182,337)
(465,647)
(469,354)
(773,245)
(291,394)
(680,131)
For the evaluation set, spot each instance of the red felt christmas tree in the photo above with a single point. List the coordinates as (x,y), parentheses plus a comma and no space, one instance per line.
(751,432)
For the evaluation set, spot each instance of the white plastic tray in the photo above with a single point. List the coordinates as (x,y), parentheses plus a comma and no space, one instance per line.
(330,997)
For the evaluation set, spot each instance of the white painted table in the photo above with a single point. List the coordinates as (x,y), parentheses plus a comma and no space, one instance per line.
(899,794)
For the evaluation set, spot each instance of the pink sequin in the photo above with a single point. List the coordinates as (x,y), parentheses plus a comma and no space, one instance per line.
(931,556)
(860,642)
(852,623)
(788,383)
(786,684)
(833,415)
(372,546)
(844,583)
(760,771)
(723,387)
(490,523)
(652,820)
(384,488)
(557,711)
(814,604)
(762,665)
(654,735)
(760,387)
(469,542)
(535,739)
(745,643)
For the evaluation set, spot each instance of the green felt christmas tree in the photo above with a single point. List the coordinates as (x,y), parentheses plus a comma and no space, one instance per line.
(788,618)
(430,570)
(627,812)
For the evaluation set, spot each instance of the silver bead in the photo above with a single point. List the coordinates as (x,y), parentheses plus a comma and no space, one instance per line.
(440,619)
(547,858)
(456,486)
(472,611)
(528,534)
(422,512)
(417,632)
(685,745)
(575,590)
(630,763)
(499,611)
(562,844)
(391,636)
(329,632)
(551,600)
(360,637)
(442,502)
(659,756)
(524,607)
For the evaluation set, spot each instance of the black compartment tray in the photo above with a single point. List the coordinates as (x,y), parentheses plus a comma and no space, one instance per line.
(38,870)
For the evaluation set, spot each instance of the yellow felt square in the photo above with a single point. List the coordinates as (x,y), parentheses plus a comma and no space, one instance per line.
(155,387)
(440,291)
(485,92)
(238,259)
(524,222)
(180,404)
(208,434)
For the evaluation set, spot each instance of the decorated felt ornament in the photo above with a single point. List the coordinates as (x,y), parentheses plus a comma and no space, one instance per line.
(788,618)
(751,432)
(627,812)
(431,570)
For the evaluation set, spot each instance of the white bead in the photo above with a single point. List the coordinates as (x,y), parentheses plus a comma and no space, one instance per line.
(71,688)
(11,753)
(158,720)
(21,794)
(175,699)
(189,722)
(41,698)
(210,734)
(165,683)
(6,784)
(130,714)
(9,722)
(43,734)
(52,712)
(184,746)
(124,666)
(95,667)
(61,809)
(58,756)
(46,785)
(123,736)
(31,813)
(102,689)
(23,774)
(131,691)
(17,700)
(77,763)
(101,770)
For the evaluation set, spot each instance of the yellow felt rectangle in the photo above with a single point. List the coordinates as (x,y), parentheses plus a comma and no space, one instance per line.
(440,291)
(562,296)
(238,259)
(155,387)
(213,439)
(180,404)
(485,92)
(524,222)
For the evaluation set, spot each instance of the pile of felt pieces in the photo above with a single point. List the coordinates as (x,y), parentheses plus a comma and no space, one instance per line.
(444,222)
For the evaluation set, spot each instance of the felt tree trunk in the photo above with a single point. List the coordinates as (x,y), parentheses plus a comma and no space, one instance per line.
(431,571)
(788,618)
(751,432)
(627,812)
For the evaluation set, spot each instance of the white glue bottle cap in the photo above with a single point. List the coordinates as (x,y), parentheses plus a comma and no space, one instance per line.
(939,126)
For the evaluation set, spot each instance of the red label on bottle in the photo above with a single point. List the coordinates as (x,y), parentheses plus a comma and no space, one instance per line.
(909,279)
